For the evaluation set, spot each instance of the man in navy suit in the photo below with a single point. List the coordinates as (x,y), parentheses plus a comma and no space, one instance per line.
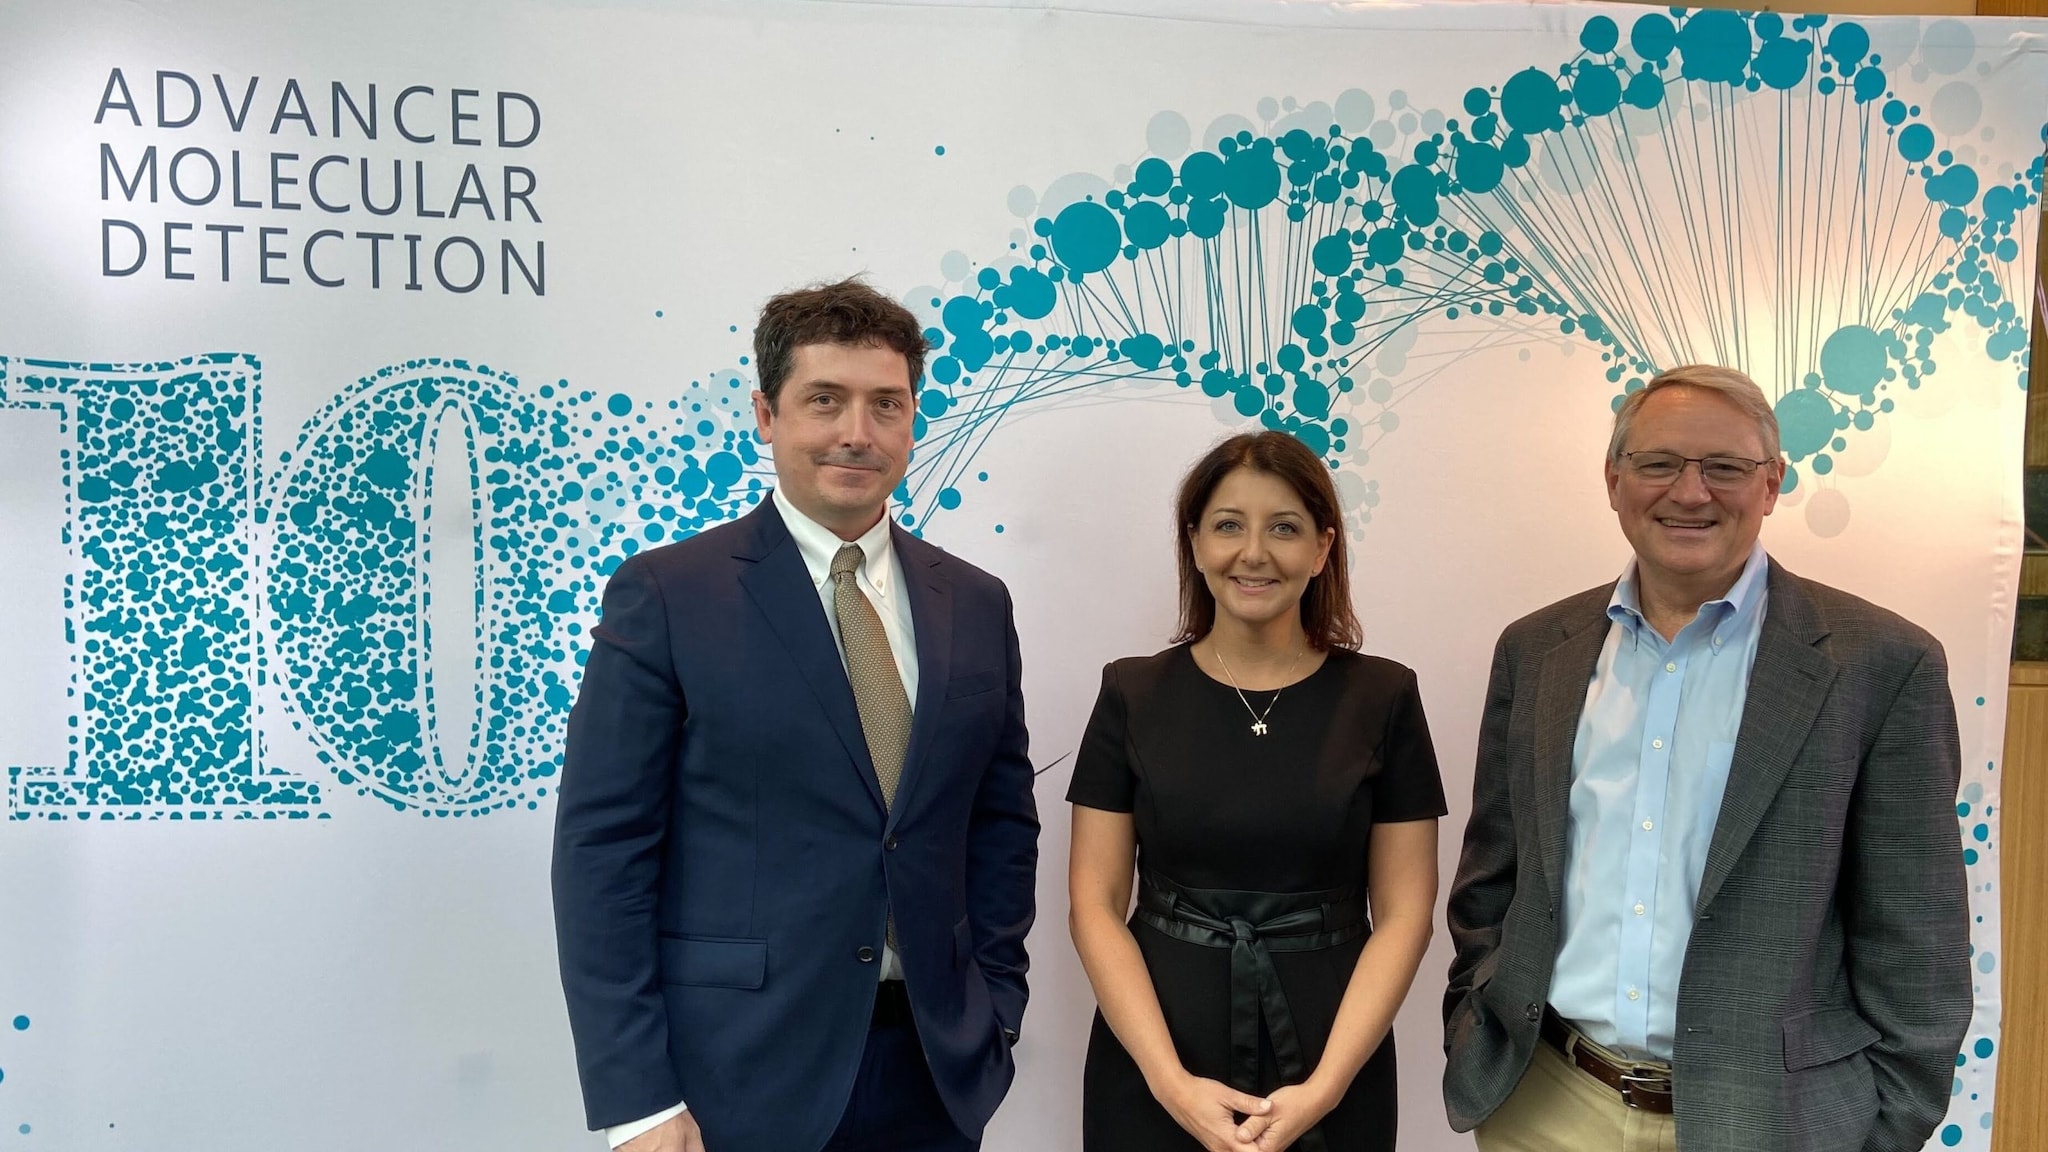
(795,840)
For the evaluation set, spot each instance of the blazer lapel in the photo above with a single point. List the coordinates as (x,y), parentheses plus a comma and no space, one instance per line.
(1560,699)
(931,617)
(781,588)
(1787,686)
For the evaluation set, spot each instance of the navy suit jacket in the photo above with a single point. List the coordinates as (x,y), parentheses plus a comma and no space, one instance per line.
(724,865)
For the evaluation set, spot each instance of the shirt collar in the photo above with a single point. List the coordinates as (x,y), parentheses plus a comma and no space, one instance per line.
(1739,605)
(818,544)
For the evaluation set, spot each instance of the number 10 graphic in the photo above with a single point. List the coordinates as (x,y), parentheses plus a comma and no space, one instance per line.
(397,581)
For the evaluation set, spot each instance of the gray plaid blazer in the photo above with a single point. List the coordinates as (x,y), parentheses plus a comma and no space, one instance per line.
(1826,987)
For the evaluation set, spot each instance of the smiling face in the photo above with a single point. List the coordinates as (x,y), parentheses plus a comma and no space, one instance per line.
(841,428)
(1691,539)
(1257,547)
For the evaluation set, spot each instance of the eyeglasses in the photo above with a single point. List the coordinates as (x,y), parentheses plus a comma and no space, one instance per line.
(1661,468)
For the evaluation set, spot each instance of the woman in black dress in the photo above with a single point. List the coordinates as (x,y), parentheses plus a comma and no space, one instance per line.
(1277,793)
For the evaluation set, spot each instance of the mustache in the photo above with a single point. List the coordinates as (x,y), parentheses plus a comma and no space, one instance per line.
(852,458)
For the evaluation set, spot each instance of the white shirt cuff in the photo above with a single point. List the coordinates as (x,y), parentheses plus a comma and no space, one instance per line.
(618,1134)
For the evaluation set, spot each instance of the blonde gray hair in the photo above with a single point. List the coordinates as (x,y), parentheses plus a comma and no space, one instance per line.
(1729,382)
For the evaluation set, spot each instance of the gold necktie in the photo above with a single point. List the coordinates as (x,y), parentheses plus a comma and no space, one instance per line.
(871,669)
(877,686)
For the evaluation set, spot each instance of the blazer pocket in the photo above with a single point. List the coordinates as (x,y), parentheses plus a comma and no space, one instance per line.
(713,962)
(1825,1035)
(963,943)
(974,683)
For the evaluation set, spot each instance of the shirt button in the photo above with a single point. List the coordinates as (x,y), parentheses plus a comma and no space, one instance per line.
(1639,909)
(1656,743)
(1649,825)
(1634,995)
(1671,667)
(1717,641)
(865,954)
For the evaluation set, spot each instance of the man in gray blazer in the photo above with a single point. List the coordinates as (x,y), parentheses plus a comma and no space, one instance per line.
(1712,891)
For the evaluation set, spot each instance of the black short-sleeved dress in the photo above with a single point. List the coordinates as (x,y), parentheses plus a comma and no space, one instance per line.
(1252,854)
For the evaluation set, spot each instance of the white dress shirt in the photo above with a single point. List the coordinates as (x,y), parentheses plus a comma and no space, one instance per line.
(880,578)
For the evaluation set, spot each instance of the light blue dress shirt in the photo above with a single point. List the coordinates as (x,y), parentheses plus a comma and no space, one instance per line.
(1649,767)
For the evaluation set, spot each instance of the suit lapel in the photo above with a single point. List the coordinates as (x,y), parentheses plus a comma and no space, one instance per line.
(1787,686)
(931,618)
(1560,699)
(781,588)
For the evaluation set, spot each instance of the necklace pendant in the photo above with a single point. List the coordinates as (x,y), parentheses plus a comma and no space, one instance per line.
(1258,727)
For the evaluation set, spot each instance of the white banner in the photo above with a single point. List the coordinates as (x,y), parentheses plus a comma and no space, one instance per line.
(345,350)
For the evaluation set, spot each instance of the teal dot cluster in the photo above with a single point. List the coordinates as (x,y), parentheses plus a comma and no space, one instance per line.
(562,484)
(346,595)
(180,609)
(651,472)
(1976,1071)
(1369,232)
(161,470)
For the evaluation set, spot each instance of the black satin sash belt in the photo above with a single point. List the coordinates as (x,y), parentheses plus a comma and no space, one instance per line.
(1254,925)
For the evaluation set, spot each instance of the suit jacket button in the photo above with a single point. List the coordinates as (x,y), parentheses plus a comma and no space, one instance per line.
(889,844)
(865,954)
(1534,1012)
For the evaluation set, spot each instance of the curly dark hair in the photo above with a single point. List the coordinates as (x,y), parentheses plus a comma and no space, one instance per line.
(848,313)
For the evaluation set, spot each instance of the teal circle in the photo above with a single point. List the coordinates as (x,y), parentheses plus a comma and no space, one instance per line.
(1031,294)
(1806,420)
(1531,102)
(1332,254)
(1086,236)
(1848,44)
(1596,89)
(1653,36)
(1782,63)
(1599,35)
(1251,178)
(1916,142)
(1853,360)
(1414,189)
(1714,46)
(1202,175)
(1147,224)
(1154,177)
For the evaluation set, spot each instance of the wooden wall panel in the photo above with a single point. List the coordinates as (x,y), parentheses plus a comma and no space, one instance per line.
(2020,1122)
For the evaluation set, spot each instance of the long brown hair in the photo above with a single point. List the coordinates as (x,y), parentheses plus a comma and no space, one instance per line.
(1326,613)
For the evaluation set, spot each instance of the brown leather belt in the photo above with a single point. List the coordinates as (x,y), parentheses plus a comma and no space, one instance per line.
(1643,1086)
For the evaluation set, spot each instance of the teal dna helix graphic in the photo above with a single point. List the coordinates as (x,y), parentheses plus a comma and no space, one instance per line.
(412,576)
(1724,186)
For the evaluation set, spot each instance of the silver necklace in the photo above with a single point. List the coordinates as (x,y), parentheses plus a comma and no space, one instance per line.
(1258,717)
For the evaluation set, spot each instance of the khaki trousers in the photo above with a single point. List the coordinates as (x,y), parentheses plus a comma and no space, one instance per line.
(1558,1108)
